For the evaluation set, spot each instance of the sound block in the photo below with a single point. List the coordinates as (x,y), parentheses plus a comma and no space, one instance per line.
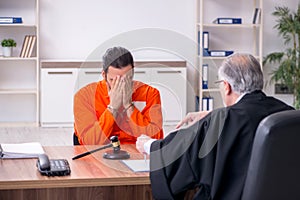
(116,155)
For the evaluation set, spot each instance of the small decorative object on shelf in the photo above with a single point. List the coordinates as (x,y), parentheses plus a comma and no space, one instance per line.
(7,45)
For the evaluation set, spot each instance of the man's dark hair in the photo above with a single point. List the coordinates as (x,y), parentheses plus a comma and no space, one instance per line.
(117,57)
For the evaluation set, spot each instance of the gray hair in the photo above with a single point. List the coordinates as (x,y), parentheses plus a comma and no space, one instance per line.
(243,72)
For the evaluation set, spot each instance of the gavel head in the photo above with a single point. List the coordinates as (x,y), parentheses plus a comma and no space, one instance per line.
(115,143)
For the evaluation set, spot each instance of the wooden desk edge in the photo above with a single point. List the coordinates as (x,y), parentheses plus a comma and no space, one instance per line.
(65,183)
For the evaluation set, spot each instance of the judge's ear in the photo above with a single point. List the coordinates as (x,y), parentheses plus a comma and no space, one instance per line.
(227,88)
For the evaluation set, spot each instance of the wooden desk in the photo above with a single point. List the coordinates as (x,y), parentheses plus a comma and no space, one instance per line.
(92,177)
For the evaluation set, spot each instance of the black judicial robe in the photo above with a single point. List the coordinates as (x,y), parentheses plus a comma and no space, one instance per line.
(213,154)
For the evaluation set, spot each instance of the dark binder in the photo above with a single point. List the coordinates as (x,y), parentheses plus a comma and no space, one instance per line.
(10,20)
(224,20)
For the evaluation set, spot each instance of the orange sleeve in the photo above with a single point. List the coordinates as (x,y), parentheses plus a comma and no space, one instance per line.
(88,128)
(149,120)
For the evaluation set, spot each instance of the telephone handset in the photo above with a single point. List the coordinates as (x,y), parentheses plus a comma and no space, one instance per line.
(52,167)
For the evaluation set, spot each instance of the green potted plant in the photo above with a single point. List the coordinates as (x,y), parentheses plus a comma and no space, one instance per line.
(288,71)
(7,45)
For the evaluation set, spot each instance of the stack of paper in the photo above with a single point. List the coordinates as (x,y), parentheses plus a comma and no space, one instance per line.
(21,150)
(137,165)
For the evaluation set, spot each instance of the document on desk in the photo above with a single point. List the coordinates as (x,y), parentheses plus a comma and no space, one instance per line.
(21,150)
(138,165)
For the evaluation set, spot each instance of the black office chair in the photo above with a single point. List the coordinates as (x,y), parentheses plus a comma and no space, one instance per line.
(274,168)
(75,139)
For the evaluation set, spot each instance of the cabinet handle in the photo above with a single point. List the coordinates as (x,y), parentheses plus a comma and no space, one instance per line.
(168,72)
(140,72)
(92,72)
(60,72)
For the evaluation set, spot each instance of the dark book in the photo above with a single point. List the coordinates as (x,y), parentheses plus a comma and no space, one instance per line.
(256,16)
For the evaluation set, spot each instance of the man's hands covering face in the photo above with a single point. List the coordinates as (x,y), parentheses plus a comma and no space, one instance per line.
(115,94)
(121,92)
(127,91)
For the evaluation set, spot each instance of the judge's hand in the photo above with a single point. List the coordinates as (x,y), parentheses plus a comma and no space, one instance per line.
(140,143)
(115,93)
(191,118)
(127,90)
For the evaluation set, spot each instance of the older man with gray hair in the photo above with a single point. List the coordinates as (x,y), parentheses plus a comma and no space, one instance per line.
(213,153)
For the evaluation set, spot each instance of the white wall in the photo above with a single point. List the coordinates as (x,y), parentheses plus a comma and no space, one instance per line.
(74,29)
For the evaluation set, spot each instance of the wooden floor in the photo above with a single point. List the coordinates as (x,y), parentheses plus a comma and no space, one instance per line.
(46,136)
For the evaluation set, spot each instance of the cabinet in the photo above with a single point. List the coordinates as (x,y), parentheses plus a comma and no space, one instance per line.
(88,75)
(19,77)
(171,83)
(58,86)
(245,38)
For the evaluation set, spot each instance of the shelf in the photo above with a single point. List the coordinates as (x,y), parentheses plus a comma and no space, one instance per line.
(18,91)
(16,58)
(19,25)
(245,37)
(220,57)
(19,77)
(230,25)
(211,90)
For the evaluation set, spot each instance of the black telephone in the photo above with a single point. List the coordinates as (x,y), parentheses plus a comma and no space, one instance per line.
(52,167)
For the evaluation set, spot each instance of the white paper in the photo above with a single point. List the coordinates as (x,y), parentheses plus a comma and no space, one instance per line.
(138,165)
(22,150)
(140,105)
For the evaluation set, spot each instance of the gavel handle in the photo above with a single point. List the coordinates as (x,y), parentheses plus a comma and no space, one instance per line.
(92,151)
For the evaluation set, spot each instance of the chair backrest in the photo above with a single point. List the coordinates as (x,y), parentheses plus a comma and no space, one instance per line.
(274,168)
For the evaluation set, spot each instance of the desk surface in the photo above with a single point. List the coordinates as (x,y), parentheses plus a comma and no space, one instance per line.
(87,171)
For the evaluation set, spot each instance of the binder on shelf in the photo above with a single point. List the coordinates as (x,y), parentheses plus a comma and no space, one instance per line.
(25,44)
(210,104)
(205,76)
(11,20)
(199,36)
(205,43)
(220,53)
(31,46)
(207,103)
(225,20)
(204,104)
(256,16)
(205,40)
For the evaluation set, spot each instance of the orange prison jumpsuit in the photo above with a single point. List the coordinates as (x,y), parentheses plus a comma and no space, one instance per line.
(95,124)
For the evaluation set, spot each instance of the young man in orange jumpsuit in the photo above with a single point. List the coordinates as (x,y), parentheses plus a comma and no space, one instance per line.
(117,105)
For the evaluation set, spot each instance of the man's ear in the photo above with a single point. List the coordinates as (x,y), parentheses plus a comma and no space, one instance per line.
(103,75)
(227,88)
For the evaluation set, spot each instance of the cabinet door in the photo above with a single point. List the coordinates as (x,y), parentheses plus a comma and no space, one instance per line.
(88,75)
(171,83)
(57,90)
